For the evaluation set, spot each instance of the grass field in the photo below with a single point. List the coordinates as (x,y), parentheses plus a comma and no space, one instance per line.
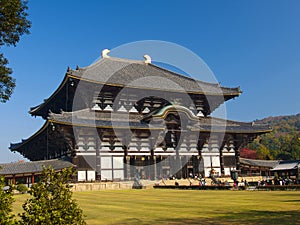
(153,206)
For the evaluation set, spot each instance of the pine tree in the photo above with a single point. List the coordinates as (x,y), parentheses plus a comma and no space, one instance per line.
(51,201)
(6,200)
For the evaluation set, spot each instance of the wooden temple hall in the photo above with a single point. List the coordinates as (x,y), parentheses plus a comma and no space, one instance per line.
(120,119)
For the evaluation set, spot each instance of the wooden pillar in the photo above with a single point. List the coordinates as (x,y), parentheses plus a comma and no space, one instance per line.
(159,166)
(127,163)
(195,165)
(259,171)
(184,167)
(154,167)
(98,158)
(222,162)
(198,164)
(150,170)
(237,157)
(181,166)
(32,178)
(171,164)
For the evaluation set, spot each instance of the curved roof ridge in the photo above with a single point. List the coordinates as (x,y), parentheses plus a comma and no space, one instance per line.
(60,86)
(260,160)
(113,59)
(142,62)
(240,122)
(14,146)
(157,67)
(162,111)
(63,113)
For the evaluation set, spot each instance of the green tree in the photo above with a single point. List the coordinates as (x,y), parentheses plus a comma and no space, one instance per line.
(295,147)
(290,147)
(13,24)
(51,201)
(283,142)
(6,200)
(21,188)
(261,150)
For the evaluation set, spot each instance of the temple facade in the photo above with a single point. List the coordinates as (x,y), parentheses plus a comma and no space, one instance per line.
(118,119)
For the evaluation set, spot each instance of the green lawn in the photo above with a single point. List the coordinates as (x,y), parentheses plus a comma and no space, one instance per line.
(154,206)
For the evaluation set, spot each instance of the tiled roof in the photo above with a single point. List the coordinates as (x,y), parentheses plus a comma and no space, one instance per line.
(92,118)
(32,167)
(259,163)
(101,119)
(106,119)
(133,73)
(121,73)
(287,165)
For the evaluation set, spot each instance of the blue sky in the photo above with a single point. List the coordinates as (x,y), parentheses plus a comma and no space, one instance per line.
(251,44)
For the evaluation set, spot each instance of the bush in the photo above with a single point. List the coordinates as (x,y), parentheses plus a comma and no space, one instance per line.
(6,200)
(51,201)
(21,188)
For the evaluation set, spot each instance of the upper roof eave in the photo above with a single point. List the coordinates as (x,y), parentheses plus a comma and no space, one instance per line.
(79,75)
(34,110)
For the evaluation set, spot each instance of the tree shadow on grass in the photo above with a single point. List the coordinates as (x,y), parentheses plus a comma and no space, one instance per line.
(264,217)
(253,217)
(294,200)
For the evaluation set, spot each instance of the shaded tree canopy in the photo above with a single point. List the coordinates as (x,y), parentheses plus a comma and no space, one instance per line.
(13,24)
